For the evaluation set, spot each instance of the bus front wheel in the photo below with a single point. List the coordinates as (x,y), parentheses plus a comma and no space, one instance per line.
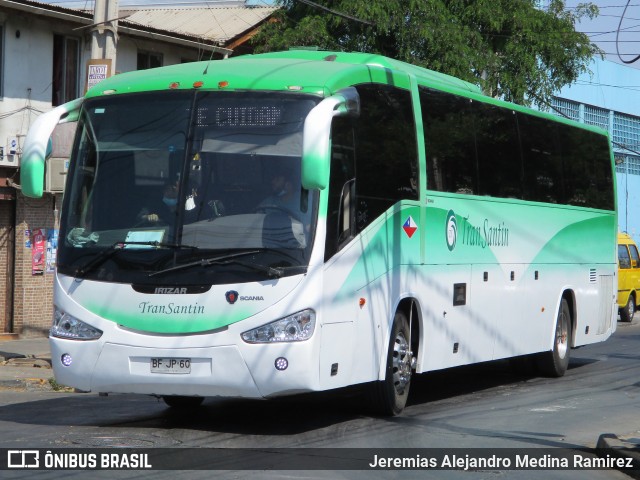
(389,396)
(555,362)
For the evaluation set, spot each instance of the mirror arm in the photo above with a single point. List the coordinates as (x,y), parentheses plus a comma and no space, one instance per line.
(34,152)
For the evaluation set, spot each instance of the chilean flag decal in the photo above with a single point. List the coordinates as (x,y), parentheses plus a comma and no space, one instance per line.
(410,227)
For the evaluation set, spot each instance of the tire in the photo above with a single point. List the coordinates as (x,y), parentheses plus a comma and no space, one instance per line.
(555,362)
(627,313)
(179,401)
(389,397)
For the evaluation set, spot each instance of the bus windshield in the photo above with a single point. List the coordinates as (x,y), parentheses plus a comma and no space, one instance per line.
(203,187)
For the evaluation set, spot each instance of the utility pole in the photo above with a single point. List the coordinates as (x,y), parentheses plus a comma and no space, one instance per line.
(104,40)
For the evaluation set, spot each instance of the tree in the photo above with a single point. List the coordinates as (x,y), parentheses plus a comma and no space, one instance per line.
(512,48)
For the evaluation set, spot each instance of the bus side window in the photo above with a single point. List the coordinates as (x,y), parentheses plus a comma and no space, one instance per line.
(498,146)
(623,257)
(341,205)
(542,159)
(587,174)
(449,141)
(386,151)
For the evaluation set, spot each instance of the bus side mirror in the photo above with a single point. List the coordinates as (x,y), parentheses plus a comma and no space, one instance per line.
(38,147)
(316,142)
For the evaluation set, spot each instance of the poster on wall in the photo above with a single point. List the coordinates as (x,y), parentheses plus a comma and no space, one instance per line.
(97,70)
(52,249)
(38,251)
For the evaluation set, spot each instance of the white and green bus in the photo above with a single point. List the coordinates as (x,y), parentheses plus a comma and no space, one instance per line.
(303,221)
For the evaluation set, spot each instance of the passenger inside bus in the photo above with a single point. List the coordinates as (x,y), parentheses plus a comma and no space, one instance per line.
(283,195)
(164,211)
(285,213)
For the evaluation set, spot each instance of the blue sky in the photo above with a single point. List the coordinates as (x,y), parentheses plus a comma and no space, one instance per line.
(603,30)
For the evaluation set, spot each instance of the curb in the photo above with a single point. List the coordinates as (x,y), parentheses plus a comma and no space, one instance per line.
(29,361)
(621,447)
(27,384)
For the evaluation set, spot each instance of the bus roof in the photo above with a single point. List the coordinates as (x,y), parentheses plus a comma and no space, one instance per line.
(293,70)
(373,60)
(314,72)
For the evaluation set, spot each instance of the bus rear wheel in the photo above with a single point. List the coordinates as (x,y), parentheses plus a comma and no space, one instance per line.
(180,401)
(389,397)
(555,362)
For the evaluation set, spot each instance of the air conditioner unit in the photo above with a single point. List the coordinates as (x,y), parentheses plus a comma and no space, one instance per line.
(8,160)
(55,174)
(9,153)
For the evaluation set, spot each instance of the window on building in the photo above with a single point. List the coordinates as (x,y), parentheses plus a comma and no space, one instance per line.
(149,60)
(66,68)
(1,60)
(567,108)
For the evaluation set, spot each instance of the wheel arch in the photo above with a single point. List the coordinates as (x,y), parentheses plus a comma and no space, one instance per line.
(570,296)
(410,306)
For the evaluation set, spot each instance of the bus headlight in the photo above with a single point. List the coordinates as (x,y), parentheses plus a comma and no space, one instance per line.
(294,328)
(66,326)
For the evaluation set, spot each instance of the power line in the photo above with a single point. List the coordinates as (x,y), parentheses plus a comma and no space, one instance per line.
(336,13)
(634,88)
(618,37)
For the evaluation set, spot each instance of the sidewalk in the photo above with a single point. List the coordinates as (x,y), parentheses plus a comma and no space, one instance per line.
(26,364)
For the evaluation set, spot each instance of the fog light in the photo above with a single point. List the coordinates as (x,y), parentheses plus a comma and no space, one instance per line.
(281,363)
(66,360)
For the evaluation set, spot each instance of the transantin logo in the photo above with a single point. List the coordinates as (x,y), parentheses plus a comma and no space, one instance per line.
(451,230)
(231,296)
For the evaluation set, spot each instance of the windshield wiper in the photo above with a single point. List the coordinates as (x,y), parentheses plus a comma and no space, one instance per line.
(225,260)
(108,252)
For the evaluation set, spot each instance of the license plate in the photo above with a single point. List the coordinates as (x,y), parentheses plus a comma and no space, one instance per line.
(171,365)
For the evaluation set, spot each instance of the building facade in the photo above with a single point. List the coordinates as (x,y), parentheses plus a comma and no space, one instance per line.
(44,52)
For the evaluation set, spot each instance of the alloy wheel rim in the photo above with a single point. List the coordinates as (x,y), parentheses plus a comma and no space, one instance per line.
(562,335)
(401,363)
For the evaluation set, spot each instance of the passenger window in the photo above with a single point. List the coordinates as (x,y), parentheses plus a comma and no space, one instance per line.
(623,257)
(450,142)
(386,151)
(499,159)
(341,207)
(587,168)
(635,259)
(542,159)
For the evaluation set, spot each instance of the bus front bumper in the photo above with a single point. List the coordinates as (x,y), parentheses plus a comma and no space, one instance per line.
(218,371)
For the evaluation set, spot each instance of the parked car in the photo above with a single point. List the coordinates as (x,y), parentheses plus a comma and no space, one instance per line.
(628,277)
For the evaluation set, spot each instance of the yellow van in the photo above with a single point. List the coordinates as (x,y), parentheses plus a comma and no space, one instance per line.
(628,277)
